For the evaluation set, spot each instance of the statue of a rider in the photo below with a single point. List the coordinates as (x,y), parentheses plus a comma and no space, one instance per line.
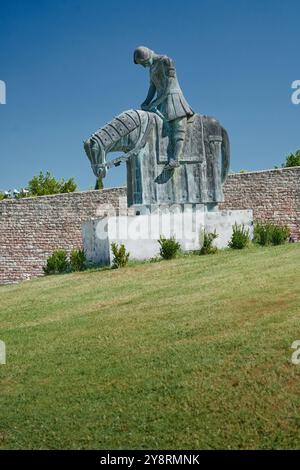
(169,100)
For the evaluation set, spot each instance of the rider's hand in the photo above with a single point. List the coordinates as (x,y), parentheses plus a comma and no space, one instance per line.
(145,106)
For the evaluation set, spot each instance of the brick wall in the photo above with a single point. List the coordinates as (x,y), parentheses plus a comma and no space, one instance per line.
(31,228)
(274,195)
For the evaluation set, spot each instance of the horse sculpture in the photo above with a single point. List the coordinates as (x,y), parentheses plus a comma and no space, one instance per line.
(144,137)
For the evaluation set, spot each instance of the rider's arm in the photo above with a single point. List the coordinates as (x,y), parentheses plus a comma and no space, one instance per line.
(170,73)
(151,94)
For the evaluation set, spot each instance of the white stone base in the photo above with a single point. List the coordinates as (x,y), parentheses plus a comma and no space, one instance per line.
(140,233)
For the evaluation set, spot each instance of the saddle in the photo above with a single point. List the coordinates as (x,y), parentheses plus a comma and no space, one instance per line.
(194,146)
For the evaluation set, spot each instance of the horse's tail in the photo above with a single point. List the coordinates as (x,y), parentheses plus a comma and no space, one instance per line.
(225,148)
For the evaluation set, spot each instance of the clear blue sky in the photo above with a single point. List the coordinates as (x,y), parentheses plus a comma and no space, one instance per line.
(68,69)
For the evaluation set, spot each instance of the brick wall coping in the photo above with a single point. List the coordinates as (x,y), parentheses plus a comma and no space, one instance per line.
(116,188)
(58,195)
(269,170)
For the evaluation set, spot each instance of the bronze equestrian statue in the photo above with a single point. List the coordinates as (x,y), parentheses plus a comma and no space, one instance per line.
(173,155)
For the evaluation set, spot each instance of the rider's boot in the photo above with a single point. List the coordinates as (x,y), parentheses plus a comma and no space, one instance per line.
(174,162)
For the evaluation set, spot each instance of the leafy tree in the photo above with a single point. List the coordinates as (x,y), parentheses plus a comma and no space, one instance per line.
(44,184)
(292,160)
(1,196)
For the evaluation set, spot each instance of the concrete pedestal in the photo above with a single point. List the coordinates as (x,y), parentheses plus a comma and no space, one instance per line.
(140,233)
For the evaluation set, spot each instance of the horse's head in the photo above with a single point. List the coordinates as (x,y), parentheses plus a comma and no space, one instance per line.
(96,155)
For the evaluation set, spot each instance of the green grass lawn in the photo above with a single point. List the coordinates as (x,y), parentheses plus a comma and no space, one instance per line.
(191,353)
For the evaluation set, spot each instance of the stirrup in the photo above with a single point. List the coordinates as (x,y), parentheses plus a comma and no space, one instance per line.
(172,164)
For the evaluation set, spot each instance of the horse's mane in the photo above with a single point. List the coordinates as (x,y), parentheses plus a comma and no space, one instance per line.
(119,127)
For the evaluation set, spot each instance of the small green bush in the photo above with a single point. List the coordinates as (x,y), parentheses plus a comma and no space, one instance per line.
(262,234)
(240,237)
(207,245)
(280,234)
(270,234)
(57,263)
(169,247)
(77,260)
(120,256)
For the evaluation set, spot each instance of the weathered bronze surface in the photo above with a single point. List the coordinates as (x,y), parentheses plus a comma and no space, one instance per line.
(173,155)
